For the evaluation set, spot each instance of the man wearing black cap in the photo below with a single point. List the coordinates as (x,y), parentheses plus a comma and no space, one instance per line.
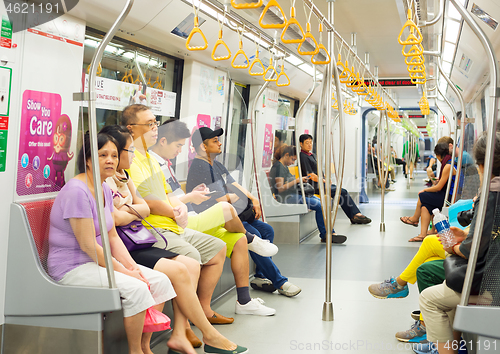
(205,169)
(168,212)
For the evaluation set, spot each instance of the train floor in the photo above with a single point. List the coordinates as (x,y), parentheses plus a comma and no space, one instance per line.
(362,323)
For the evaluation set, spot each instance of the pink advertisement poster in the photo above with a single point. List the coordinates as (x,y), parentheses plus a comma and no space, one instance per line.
(202,120)
(44,144)
(267,152)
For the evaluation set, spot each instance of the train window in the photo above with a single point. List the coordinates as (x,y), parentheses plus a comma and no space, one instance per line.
(234,150)
(118,64)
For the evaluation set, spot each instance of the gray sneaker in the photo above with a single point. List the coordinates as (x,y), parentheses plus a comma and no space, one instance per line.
(416,334)
(388,289)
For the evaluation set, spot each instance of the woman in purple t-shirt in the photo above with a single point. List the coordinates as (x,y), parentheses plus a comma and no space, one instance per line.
(75,253)
(183,271)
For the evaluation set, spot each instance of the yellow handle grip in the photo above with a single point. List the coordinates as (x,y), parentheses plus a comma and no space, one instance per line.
(308,35)
(256,60)
(416,68)
(418,59)
(270,4)
(98,72)
(292,21)
(195,30)
(321,62)
(415,50)
(246,5)
(273,71)
(240,52)
(218,43)
(281,74)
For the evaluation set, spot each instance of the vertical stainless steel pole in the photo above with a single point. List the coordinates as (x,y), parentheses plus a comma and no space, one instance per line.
(253,133)
(407,160)
(297,143)
(320,139)
(99,197)
(462,132)
(326,198)
(490,151)
(454,133)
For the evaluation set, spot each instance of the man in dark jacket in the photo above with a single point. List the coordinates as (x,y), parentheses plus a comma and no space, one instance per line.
(309,167)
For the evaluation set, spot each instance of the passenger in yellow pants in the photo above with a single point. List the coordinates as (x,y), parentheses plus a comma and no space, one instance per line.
(430,250)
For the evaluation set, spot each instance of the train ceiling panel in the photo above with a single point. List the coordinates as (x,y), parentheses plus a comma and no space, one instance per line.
(105,12)
(470,66)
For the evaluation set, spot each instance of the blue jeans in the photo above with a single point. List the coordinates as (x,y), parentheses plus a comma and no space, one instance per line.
(313,203)
(265,265)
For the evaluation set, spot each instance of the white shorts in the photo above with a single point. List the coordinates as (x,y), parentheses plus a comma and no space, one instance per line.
(134,294)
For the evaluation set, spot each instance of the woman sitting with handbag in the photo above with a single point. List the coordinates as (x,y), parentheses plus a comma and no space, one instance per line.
(76,256)
(286,188)
(432,197)
(438,303)
(181,270)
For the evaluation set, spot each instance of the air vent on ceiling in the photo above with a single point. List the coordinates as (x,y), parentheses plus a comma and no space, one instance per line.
(484,16)
(184,28)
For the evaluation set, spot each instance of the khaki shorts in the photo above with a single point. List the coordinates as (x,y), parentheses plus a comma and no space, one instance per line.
(211,222)
(190,243)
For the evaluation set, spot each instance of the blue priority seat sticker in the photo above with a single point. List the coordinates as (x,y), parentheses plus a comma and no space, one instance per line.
(29,14)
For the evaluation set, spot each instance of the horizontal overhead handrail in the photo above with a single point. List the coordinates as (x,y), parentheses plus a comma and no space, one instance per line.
(359,61)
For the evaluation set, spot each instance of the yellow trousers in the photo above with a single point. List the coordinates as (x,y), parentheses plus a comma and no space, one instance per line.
(430,250)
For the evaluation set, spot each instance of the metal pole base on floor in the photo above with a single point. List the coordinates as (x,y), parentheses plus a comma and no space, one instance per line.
(327,311)
(382,227)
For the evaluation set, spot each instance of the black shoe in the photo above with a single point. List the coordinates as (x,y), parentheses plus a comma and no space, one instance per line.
(336,239)
(360,219)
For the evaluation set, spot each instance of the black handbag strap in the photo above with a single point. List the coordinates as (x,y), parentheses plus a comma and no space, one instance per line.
(154,228)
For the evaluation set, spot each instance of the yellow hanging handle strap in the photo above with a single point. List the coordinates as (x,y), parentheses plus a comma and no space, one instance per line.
(292,21)
(128,76)
(321,47)
(272,70)
(157,83)
(415,50)
(415,37)
(335,104)
(270,4)
(220,41)
(98,72)
(308,37)
(196,29)
(345,69)
(246,5)
(415,60)
(240,52)
(256,60)
(281,74)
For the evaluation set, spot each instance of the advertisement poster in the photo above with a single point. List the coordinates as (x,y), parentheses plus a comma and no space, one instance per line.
(116,95)
(267,151)
(271,99)
(206,84)
(220,85)
(202,120)
(44,144)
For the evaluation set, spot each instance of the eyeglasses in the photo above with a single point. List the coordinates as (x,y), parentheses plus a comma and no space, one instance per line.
(131,150)
(151,125)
